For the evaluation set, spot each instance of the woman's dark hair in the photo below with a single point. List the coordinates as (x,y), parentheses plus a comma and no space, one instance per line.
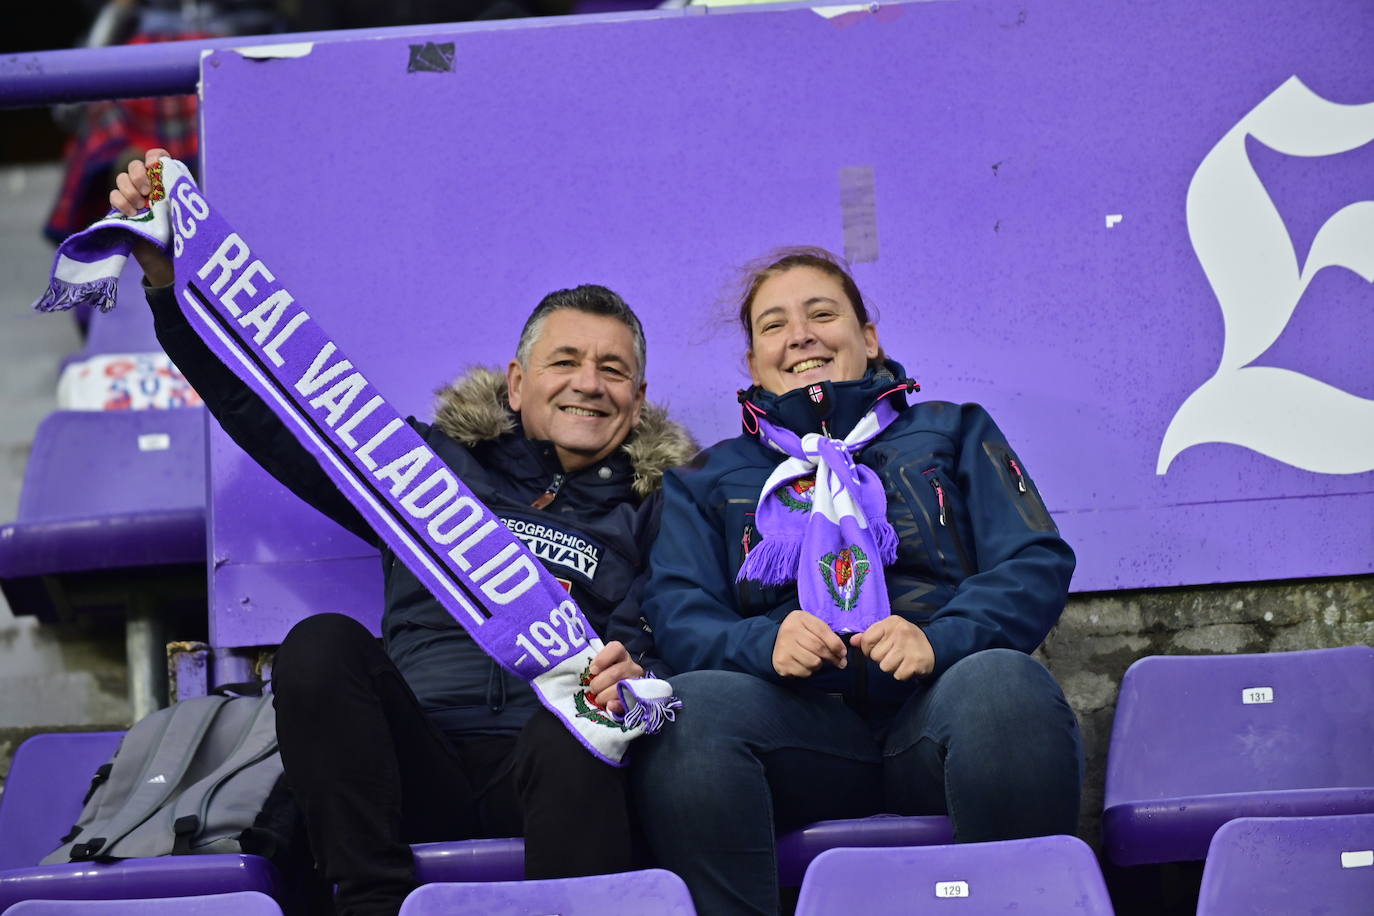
(759,271)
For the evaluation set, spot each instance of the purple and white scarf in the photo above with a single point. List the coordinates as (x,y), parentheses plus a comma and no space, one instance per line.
(823,518)
(479,571)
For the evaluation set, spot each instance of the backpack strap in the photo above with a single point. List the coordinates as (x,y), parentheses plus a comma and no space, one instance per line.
(256,742)
(165,765)
(108,795)
(102,774)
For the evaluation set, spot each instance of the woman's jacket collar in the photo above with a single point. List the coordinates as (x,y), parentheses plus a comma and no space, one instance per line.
(841,404)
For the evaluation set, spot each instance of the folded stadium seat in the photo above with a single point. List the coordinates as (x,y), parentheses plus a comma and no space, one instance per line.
(112,518)
(470,860)
(1044,876)
(601,7)
(797,849)
(1201,740)
(244,903)
(1284,866)
(42,799)
(104,491)
(627,894)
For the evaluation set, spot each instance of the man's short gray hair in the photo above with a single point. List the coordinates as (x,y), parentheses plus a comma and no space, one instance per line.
(592,300)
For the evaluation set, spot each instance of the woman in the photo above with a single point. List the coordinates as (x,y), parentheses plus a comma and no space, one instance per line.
(779,558)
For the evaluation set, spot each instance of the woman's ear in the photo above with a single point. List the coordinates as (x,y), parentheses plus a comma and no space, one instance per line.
(872,349)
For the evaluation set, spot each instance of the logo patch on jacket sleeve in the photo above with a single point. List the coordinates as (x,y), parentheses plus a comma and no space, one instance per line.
(555,547)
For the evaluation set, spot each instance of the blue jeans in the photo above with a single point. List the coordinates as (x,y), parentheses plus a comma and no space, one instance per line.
(992,743)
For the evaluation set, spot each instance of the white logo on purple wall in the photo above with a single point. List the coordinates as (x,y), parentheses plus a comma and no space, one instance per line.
(1246,252)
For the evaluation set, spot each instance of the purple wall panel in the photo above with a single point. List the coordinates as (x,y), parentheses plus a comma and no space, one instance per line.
(421,215)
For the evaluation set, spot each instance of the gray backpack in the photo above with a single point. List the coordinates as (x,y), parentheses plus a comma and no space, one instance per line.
(193,778)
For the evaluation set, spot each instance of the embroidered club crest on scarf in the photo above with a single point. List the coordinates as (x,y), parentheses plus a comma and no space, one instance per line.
(586,704)
(823,518)
(477,569)
(797,494)
(844,574)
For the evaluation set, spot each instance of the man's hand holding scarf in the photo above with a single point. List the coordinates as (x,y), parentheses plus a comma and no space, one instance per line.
(612,665)
(131,193)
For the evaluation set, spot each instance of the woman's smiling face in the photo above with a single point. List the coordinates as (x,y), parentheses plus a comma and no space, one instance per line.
(804,330)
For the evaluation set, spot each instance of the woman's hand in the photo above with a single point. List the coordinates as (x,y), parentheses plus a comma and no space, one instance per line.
(132,187)
(898,646)
(611,666)
(804,643)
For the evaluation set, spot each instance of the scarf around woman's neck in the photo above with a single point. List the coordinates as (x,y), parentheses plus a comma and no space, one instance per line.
(481,573)
(823,518)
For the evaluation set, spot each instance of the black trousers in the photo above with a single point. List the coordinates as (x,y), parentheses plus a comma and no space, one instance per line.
(373,774)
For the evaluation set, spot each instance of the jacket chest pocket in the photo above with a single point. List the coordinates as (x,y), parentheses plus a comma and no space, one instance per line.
(742,536)
(929,507)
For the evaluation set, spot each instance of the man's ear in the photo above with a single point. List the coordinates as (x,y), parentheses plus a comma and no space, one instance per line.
(639,405)
(515,376)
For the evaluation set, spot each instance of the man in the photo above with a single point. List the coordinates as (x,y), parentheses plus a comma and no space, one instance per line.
(428,738)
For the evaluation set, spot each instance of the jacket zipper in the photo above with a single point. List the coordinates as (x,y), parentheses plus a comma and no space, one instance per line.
(947,521)
(543,499)
(1016,472)
(934,544)
(940,498)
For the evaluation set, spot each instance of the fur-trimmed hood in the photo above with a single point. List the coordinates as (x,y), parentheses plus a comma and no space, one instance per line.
(473,408)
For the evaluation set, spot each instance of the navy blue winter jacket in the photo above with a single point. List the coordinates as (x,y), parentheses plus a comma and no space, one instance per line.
(987,570)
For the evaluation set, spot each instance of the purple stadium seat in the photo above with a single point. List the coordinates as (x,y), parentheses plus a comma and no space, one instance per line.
(42,798)
(244,903)
(1045,876)
(594,7)
(1201,740)
(797,849)
(1283,866)
(470,860)
(504,859)
(103,491)
(627,894)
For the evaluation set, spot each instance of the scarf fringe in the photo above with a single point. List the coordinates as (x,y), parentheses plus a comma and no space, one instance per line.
(62,295)
(885,537)
(774,561)
(652,712)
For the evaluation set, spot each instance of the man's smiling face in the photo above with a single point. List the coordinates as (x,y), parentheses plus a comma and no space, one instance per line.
(581,389)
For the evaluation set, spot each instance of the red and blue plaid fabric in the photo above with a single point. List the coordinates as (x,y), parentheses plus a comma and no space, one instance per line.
(109,130)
